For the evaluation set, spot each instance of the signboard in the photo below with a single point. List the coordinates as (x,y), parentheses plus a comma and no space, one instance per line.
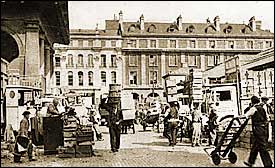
(127,101)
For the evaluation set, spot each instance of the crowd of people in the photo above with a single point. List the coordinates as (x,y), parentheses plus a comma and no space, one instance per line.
(258,111)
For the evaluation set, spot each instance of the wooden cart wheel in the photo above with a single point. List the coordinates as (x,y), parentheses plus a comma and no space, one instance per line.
(232,157)
(216,159)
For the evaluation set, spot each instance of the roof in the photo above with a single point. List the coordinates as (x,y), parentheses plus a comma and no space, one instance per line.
(199,28)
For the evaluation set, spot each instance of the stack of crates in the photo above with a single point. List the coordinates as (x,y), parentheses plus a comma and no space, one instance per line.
(196,85)
(171,89)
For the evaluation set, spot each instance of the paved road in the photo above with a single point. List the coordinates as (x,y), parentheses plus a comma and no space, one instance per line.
(142,149)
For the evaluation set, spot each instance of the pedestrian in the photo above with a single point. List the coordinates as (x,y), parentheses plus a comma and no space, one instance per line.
(173,120)
(268,110)
(260,133)
(196,123)
(23,142)
(165,122)
(212,126)
(94,120)
(115,119)
(52,110)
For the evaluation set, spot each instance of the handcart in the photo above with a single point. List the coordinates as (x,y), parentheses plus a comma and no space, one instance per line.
(224,148)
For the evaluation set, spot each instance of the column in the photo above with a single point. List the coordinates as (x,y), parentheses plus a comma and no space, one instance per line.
(163,67)
(47,68)
(203,62)
(32,57)
(143,69)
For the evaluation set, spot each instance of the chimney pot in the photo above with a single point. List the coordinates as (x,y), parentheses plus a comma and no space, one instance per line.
(179,22)
(141,22)
(217,23)
(252,23)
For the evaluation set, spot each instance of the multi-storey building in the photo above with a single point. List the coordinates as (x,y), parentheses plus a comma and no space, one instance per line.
(88,64)
(150,50)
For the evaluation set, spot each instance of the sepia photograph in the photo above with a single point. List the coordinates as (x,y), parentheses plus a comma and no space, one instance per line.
(137,83)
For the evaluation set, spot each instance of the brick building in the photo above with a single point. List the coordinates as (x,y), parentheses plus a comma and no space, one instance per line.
(149,50)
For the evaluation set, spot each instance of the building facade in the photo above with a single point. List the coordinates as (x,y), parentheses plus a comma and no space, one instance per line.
(88,64)
(150,50)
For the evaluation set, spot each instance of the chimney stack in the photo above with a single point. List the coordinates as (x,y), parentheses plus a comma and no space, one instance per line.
(217,23)
(258,24)
(141,22)
(179,22)
(252,23)
(120,21)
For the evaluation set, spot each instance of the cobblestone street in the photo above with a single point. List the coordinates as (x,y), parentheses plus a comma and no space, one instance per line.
(142,149)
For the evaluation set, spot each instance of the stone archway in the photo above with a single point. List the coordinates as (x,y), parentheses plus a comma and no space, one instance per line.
(9,47)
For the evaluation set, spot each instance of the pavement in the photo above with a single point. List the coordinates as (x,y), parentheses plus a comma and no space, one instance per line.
(142,149)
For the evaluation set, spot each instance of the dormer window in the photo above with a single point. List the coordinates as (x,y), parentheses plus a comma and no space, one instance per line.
(173,28)
(152,29)
(132,28)
(190,29)
(228,30)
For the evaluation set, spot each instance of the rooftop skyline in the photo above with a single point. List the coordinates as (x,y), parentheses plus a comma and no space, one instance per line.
(87,14)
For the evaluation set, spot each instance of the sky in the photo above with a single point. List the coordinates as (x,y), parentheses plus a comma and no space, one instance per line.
(87,14)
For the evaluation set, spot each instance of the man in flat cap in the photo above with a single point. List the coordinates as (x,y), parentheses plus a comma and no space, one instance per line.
(23,139)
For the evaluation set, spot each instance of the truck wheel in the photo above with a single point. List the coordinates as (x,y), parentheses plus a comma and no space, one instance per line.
(232,157)
(216,159)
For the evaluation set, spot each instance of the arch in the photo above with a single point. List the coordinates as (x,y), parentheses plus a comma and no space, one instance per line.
(16,37)
(9,47)
(153,95)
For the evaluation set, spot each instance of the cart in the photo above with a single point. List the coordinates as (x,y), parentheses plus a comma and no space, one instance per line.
(150,120)
(224,148)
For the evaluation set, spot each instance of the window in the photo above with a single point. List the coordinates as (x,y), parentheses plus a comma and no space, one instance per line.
(192,44)
(113,43)
(132,60)
(249,44)
(192,60)
(172,43)
(213,60)
(153,60)
(57,62)
(71,43)
(133,78)
(91,78)
(80,78)
(90,43)
(103,43)
(153,43)
(268,44)
(80,43)
(70,60)
(70,78)
(190,29)
(210,61)
(113,75)
(133,43)
(224,95)
(103,78)
(153,77)
(57,78)
(211,44)
(172,60)
(113,60)
(231,44)
(90,60)
(80,60)
(103,60)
